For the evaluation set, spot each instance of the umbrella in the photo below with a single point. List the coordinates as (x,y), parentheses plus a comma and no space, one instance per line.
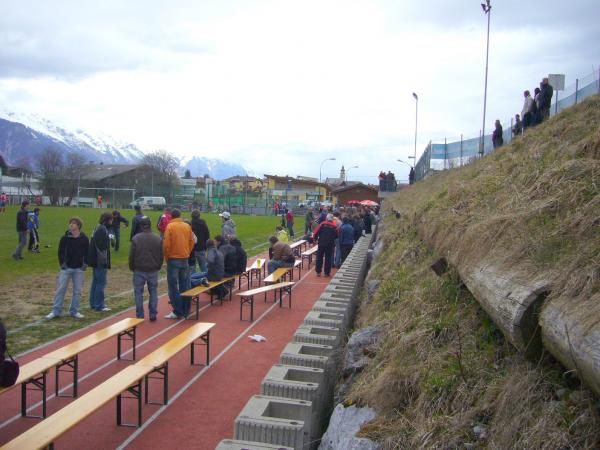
(369,203)
(353,202)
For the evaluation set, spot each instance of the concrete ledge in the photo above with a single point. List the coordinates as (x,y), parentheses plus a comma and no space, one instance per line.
(332,307)
(326,319)
(312,334)
(307,355)
(233,444)
(275,420)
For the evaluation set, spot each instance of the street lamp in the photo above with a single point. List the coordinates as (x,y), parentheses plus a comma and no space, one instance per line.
(348,170)
(416,97)
(487,8)
(399,160)
(321,167)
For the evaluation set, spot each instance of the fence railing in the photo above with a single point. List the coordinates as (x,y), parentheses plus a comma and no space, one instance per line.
(456,153)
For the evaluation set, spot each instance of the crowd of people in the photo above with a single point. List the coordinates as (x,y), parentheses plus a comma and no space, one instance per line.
(387,181)
(535,110)
(192,258)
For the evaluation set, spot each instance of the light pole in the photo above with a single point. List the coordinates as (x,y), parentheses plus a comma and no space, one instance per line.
(348,170)
(416,97)
(321,167)
(487,8)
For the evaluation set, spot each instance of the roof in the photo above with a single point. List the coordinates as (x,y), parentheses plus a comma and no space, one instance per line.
(97,172)
(242,178)
(354,185)
(302,180)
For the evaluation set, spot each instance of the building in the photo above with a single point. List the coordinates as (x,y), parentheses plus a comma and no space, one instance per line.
(294,190)
(243,183)
(355,191)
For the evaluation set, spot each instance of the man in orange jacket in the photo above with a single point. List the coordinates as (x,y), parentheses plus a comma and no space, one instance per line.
(178,244)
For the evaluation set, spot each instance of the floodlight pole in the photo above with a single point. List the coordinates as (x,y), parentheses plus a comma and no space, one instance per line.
(487,8)
(416,97)
(321,167)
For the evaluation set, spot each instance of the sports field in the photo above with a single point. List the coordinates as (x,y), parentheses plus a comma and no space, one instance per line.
(27,286)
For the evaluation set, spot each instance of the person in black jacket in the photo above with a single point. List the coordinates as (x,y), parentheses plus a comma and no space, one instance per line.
(99,259)
(201,231)
(22,230)
(229,255)
(135,222)
(73,260)
(145,260)
(241,258)
(325,235)
(116,228)
(366,217)
(497,135)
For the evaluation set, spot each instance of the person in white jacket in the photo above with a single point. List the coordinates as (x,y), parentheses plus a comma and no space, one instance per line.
(527,112)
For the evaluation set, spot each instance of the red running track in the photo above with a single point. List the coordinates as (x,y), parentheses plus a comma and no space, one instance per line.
(203,402)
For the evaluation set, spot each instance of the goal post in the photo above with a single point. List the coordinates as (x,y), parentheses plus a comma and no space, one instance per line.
(110,197)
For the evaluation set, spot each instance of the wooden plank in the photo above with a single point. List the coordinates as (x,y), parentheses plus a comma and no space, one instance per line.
(49,429)
(74,348)
(311,251)
(31,370)
(196,291)
(277,274)
(260,290)
(159,356)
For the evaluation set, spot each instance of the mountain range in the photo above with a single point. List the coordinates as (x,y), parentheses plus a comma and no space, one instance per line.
(23,137)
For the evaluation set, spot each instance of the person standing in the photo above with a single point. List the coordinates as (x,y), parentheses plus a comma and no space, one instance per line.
(22,230)
(367,220)
(411,176)
(337,255)
(163,221)
(289,219)
(309,218)
(99,200)
(200,229)
(527,112)
(33,225)
(228,227)
(73,260)
(546,92)
(497,138)
(145,260)
(3,202)
(325,235)
(99,260)
(518,127)
(135,226)
(116,228)
(346,237)
(178,244)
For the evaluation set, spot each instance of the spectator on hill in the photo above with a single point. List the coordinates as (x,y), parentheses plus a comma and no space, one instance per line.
(135,227)
(116,228)
(33,225)
(536,106)
(145,260)
(283,256)
(99,260)
(381,179)
(163,221)
(346,237)
(178,244)
(200,229)
(73,260)
(546,92)
(228,230)
(411,176)
(518,127)
(497,138)
(325,235)
(22,230)
(289,221)
(528,110)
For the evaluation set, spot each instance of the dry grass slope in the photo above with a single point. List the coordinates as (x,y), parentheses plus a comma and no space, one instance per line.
(442,366)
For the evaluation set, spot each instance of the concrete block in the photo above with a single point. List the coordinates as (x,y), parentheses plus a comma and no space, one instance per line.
(234,444)
(308,355)
(333,308)
(312,334)
(275,420)
(326,319)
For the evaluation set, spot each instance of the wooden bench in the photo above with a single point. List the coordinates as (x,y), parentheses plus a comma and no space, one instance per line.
(35,372)
(257,270)
(296,246)
(127,380)
(194,293)
(308,254)
(247,297)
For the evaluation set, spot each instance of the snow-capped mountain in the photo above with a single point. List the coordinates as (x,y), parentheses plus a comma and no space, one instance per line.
(23,137)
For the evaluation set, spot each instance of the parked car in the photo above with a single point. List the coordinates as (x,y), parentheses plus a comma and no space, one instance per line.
(157,203)
(308,204)
(326,203)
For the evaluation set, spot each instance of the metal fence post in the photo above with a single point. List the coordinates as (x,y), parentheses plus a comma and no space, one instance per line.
(446,154)
(461,150)
(576,89)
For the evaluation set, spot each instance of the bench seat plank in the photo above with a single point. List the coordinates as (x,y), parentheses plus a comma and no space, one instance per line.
(31,370)
(262,289)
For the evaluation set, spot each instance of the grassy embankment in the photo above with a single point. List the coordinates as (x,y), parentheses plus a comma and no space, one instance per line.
(442,367)
(28,286)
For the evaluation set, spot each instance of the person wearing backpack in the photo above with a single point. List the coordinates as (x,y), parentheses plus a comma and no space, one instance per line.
(163,221)
(72,258)
(9,368)
(99,259)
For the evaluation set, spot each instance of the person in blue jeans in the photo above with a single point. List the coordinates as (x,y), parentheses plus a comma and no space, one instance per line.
(73,259)
(145,260)
(99,259)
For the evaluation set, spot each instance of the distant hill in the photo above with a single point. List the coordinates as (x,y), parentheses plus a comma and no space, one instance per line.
(23,137)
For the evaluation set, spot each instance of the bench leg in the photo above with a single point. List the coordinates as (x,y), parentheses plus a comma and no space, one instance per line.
(163,371)
(197,301)
(73,363)
(39,383)
(247,300)
(205,338)
(136,393)
(131,337)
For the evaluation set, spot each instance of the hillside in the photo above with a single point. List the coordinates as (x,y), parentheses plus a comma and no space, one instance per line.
(445,375)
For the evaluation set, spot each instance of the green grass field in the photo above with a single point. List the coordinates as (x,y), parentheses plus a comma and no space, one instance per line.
(28,285)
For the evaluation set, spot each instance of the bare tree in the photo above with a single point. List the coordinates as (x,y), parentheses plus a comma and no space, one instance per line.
(161,171)
(51,167)
(74,162)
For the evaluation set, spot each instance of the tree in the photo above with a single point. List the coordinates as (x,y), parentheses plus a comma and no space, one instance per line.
(187,174)
(74,162)
(161,172)
(51,166)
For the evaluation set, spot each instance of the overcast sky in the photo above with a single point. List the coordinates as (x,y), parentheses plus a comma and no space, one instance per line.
(279,85)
